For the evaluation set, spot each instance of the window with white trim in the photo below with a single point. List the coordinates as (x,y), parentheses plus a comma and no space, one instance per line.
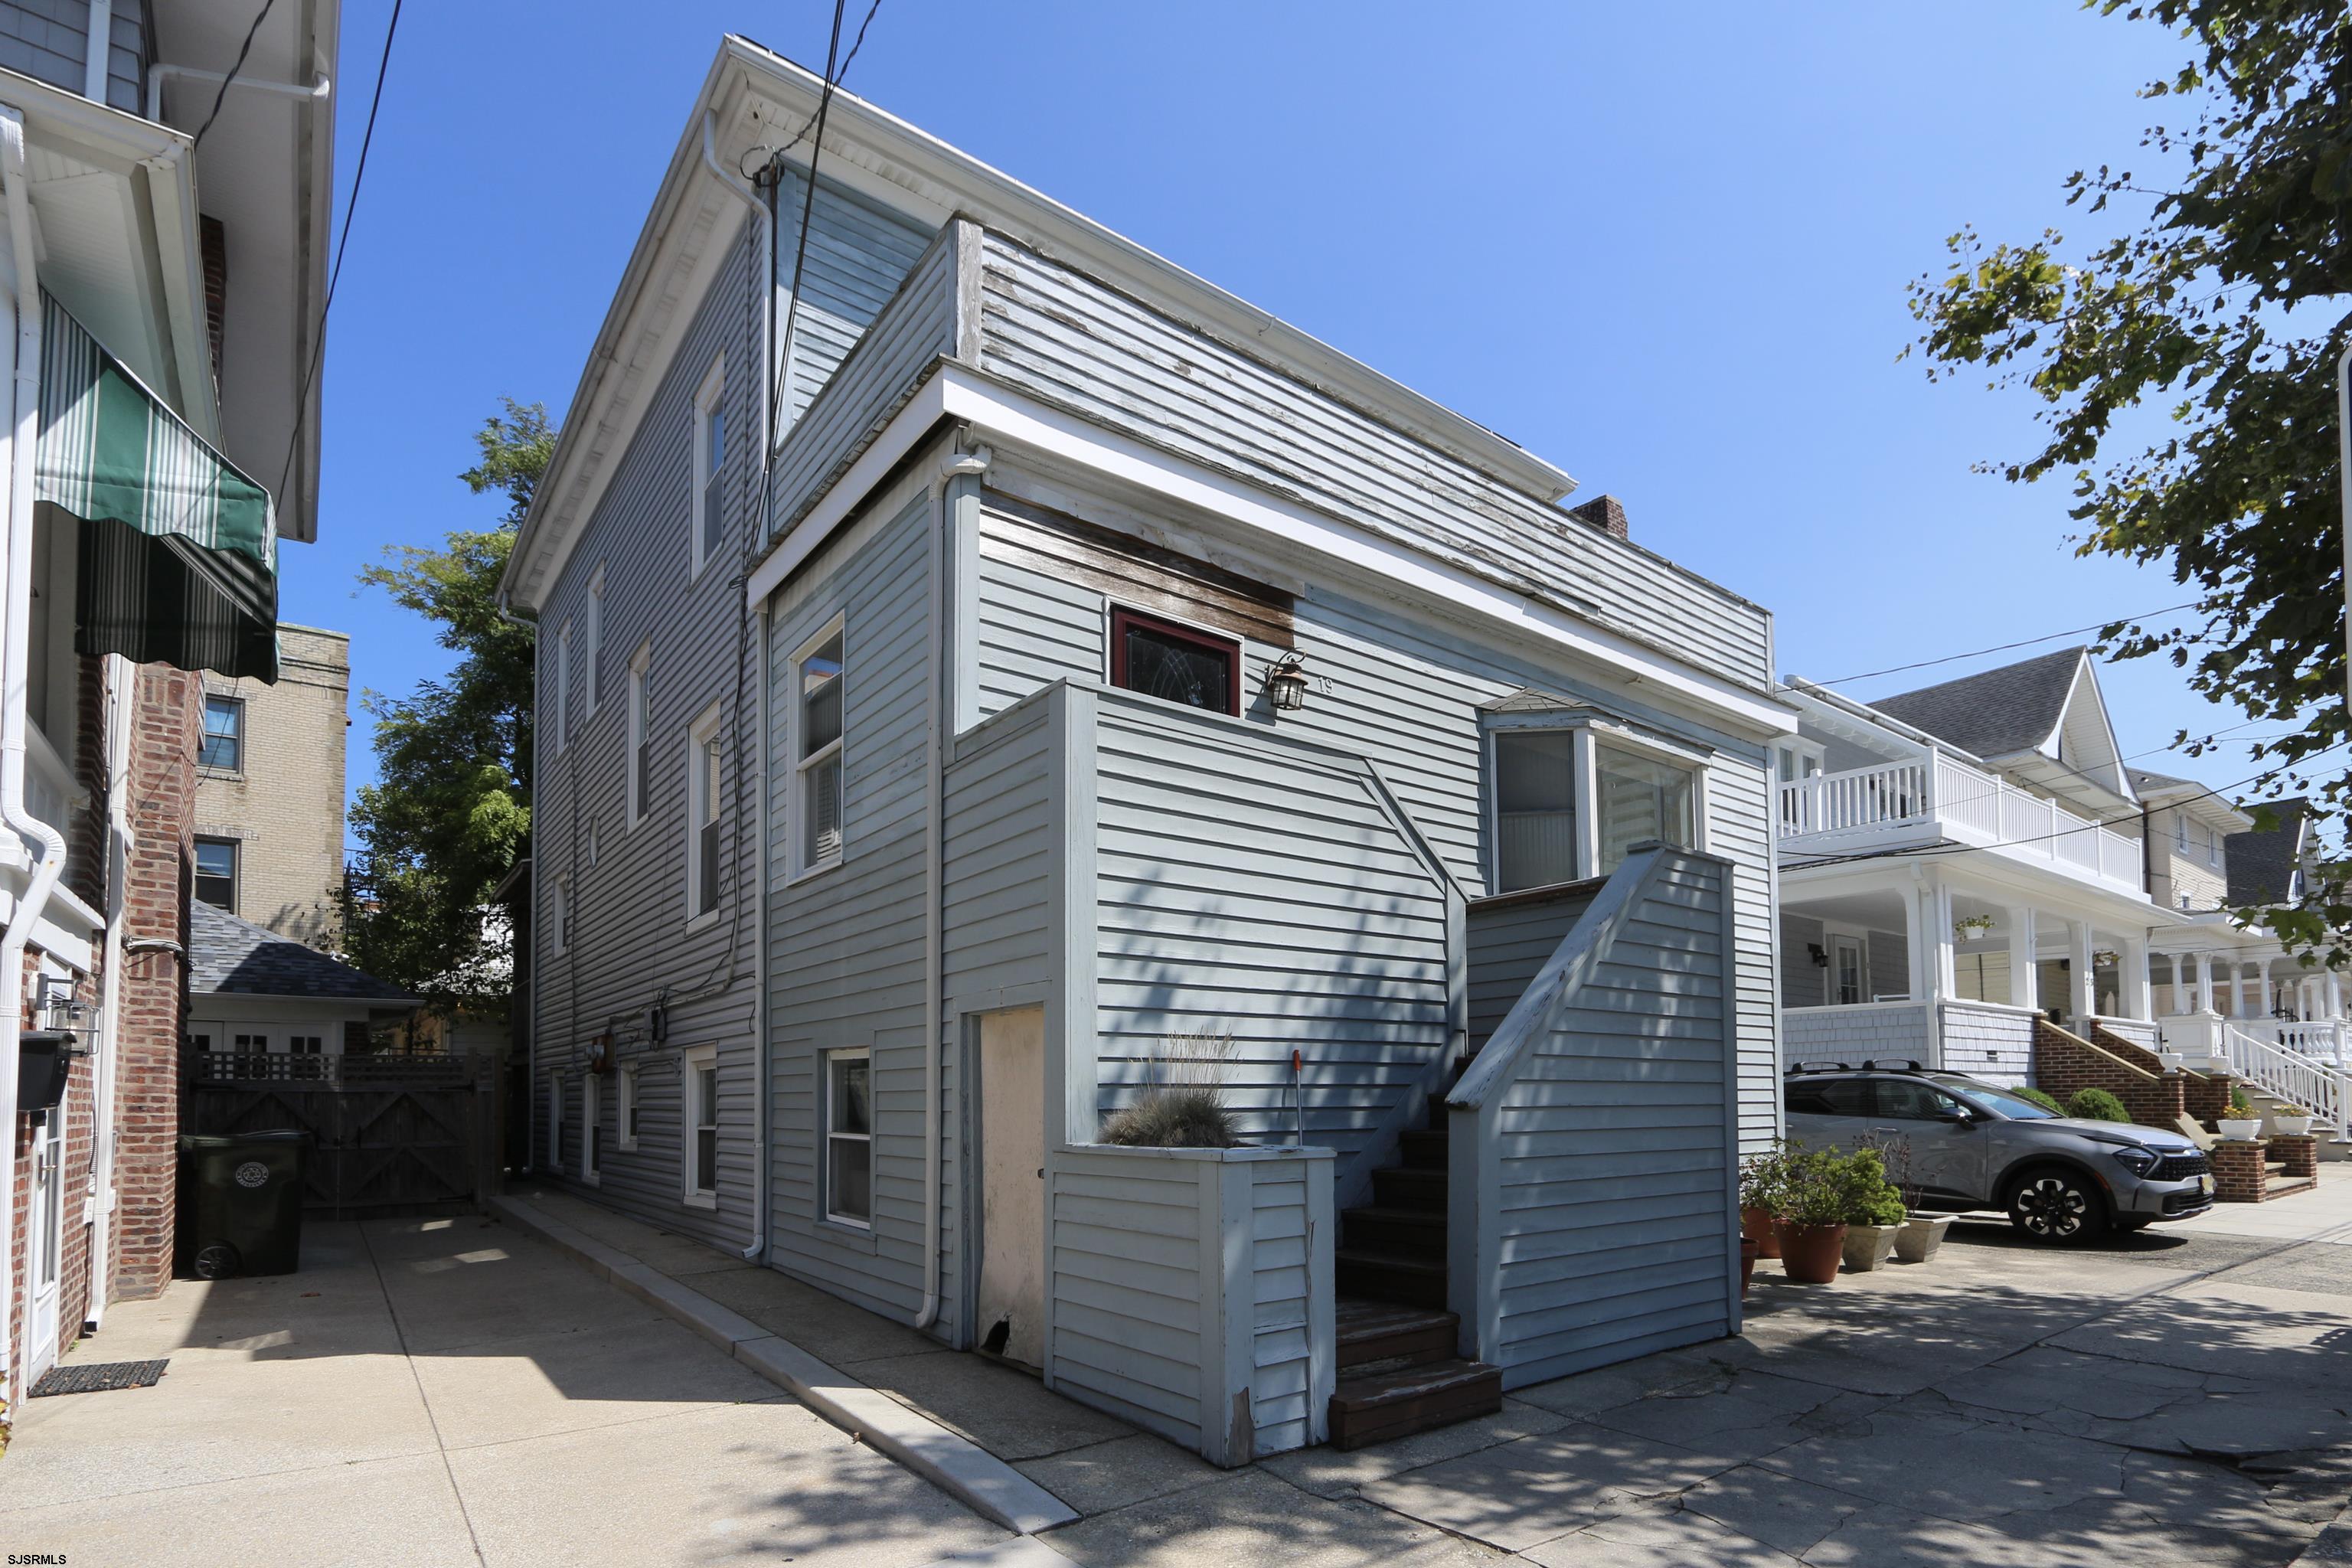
(817,742)
(555,1121)
(698,1080)
(625,1108)
(1567,801)
(592,1130)
(709,465)
(563,687)
(640,763)
(705,818)
(595,640)
(558,915)
(849,1136)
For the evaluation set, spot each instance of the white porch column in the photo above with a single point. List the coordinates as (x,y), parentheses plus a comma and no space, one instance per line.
(2081,997)
(2022,979)
(2184,991)
(2131,972)
(1929,912)
(2334,994)
(2204,962)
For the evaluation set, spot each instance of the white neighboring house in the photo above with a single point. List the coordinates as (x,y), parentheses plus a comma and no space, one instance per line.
(1959,859)
(252,992)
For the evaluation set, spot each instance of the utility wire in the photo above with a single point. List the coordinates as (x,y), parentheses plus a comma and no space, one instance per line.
(350,207)
(2004,648)
(808,201)
(243,51)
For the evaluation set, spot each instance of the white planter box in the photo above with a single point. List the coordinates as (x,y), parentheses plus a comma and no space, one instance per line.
(2291,1126)
(2240,1130)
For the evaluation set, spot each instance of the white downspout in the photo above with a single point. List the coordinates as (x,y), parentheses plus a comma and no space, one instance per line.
(15,656)
(110,996)
(763,271)
(954,466)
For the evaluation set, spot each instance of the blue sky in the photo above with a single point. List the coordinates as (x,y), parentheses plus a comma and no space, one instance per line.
(1664,249)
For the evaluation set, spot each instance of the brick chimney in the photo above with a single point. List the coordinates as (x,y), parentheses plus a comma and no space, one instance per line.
(1606,513)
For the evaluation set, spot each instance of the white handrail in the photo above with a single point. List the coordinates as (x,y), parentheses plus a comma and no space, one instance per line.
(1980,805)
(2290,1076)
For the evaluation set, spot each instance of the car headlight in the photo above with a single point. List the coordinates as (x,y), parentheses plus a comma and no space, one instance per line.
(2138,1160)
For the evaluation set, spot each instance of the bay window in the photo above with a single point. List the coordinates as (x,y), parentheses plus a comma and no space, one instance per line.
(1568,800)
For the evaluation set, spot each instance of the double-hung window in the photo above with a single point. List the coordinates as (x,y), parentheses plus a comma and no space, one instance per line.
(624,1107)
(709,465)
(216,873)
(700,1084)
(704,816)
(555,1123)
(817,751)
(595,639)
(591,1131)
(640,763)
(1568,803)
(224,744)
(558,915)
(849,1136)
(562,701)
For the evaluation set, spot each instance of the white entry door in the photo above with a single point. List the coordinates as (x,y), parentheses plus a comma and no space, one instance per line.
(1012,1316)
(45,1242)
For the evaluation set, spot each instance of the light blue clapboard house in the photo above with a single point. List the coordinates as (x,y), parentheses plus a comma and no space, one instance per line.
(1063,674)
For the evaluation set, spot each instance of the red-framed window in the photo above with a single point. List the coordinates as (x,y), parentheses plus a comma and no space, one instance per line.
(1175,663)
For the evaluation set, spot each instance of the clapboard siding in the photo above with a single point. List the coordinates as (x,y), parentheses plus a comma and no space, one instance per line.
(1510,937)
(1283,1272)
(857,255)
(1259,888)
(627,899)
(875,370)
(846,946)
(1600,1212)
(1000,835)
(1407,697)
(1073,341)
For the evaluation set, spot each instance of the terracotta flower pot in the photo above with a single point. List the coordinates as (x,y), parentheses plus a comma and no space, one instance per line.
(1810,1253)
(1750,1247)
(1756,1225)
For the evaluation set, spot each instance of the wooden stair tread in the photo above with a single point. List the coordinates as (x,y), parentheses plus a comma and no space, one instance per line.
(1368,1260)
(1384,1402)
(1398,1213)
(1361,1316)
(1390,1386)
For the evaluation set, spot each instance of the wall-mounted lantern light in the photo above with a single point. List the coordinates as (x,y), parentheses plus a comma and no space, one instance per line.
(1285,683)
(1817,953)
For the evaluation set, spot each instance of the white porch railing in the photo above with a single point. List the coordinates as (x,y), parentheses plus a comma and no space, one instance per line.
(1968,804)
(2321,1039)
(2313,1085)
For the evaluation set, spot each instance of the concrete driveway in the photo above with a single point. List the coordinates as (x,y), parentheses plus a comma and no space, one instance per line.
(447,1391)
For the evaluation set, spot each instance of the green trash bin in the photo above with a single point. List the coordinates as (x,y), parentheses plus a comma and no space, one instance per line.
(241,1202)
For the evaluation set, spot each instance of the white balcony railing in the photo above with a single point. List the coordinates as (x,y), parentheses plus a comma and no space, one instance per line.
(2327,1040)
(1964,804)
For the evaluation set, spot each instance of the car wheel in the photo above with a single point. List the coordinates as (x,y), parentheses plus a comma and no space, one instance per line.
(2057,1206)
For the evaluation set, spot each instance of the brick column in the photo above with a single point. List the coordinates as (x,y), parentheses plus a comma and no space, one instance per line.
(2238,1173)
(2300,1152)
(153,995)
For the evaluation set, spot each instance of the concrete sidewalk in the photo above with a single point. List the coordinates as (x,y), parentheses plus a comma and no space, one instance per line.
(446,1392)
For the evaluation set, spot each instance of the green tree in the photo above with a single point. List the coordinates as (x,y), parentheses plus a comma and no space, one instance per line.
(2220,305)
(449,814)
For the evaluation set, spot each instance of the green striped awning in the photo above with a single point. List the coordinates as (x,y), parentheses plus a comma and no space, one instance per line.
(179,550)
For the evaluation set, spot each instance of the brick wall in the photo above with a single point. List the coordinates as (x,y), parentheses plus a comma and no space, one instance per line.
(154,996)
(2238,1173)
(284,805)
(2065,1063)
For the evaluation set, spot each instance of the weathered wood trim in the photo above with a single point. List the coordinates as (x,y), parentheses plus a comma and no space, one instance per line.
(970,328)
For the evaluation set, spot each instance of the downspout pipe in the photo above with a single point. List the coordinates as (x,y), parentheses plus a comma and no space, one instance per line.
(118,844)
(751,759)
(16,659)
(960,472)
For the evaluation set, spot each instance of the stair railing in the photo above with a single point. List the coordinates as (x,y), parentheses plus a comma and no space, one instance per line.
(2311,1084)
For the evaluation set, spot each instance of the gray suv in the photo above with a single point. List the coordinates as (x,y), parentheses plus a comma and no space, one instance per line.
(1974,1145)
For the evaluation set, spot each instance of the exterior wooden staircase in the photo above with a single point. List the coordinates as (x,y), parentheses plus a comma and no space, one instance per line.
(1400,1370)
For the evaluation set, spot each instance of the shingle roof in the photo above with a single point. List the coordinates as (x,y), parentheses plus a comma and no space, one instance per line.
(2261,865)
(1995,711)
(230,956)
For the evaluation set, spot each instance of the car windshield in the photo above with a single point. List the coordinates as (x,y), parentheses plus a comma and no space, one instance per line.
(2000,1100)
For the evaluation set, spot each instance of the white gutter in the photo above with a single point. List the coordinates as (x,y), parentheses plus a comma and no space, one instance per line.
(157,75)
(110,996)
(764,274)
(955,468)
(15,656)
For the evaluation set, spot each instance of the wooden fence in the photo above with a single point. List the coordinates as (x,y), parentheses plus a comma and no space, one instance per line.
(390,1134)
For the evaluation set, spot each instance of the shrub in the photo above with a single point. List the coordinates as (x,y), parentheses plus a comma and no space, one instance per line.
(1764,1177)
(1824,1187)
(2035,1097)
(2096,1105)
(2240,1106)
(1172,1116)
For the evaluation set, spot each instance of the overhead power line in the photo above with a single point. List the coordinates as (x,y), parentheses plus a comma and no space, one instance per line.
(351,208)
(244,50)
(2006,646)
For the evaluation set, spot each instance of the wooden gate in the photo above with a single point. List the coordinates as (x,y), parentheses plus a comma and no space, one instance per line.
(390,1134)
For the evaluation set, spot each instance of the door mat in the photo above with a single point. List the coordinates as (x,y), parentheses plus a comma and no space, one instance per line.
(98,1377)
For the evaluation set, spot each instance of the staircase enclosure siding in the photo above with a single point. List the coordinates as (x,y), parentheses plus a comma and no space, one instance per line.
(1511,937)
(1596,1175)
(630,939)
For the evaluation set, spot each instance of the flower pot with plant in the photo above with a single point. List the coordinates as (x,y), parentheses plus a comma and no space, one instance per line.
(1918,1237)
(1749,1249)
(2242,1125)
(1762,1179)
(1826,1195)
(2289,1119)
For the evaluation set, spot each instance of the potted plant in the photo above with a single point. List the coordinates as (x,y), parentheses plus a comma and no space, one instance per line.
(2242,1125)
(1762,1178)
(2290,1119)
(1873,1209)
(1814,1211)
(1921,1234)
